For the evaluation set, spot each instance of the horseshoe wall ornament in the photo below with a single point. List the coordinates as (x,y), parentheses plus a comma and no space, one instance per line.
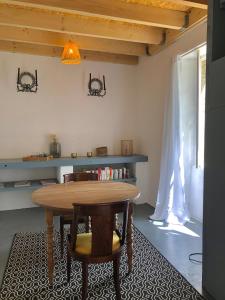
(96,87)
(27,82)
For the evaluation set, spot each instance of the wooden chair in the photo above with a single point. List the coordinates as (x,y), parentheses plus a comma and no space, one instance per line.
(67,219)
(102,244)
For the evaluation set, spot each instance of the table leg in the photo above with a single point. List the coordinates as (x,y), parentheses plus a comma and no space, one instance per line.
(130,237)
(49,222)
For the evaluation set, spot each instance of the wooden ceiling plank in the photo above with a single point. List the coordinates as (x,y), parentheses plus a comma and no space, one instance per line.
(118,10)
(107,57)
(16,47)
(74,24)
(196,17)
(202,4)
(33,36)
(41,50)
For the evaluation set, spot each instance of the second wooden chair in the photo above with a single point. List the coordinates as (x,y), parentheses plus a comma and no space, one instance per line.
(67,219)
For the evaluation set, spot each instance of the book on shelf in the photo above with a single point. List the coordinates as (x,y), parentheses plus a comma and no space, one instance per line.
(108,173)
(47,181)
(22,183)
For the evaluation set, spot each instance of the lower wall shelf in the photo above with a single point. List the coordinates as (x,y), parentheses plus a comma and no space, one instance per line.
(36,184)
(18,186)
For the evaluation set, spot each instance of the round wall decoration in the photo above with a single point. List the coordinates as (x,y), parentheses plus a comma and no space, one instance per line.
(96,87)
(26,82)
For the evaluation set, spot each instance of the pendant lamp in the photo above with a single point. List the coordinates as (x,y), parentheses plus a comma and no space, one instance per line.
(71,54)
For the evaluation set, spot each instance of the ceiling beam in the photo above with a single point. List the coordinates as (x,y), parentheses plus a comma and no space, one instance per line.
(32,36)
(75,24)
(203,4)
(118,10)
(196,17)
(41,50)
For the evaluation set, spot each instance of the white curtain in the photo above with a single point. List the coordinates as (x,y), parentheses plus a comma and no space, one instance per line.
(179,144)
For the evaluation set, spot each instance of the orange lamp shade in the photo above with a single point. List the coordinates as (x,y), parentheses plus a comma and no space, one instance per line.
(71,54)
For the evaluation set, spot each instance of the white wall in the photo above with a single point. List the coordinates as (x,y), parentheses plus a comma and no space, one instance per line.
(61,106)
(153,87)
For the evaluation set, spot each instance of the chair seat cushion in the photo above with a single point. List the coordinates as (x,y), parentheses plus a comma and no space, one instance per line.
(83,244)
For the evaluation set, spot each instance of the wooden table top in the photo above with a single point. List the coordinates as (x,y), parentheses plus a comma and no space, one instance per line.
(62,196)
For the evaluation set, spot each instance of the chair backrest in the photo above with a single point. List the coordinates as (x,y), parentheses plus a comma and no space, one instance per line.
(80,176)
(102,225)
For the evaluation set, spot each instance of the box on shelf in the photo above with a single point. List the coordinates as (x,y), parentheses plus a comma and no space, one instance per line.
(22,183)
(62,171)
(101,151)
(37,157)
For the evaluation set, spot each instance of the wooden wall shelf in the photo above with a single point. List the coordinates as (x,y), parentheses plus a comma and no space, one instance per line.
(67,161)
(77,163)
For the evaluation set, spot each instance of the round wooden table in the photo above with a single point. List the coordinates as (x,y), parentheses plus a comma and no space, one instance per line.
(58,199)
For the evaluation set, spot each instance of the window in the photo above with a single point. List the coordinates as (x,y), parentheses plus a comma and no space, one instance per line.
(201,106)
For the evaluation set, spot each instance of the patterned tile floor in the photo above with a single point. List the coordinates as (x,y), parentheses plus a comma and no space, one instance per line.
(152,277)
(175,243)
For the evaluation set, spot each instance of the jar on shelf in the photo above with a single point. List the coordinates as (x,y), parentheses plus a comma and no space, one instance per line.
(126,147)
(55,147)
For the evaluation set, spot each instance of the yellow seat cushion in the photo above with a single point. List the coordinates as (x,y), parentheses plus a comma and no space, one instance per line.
(83,244)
